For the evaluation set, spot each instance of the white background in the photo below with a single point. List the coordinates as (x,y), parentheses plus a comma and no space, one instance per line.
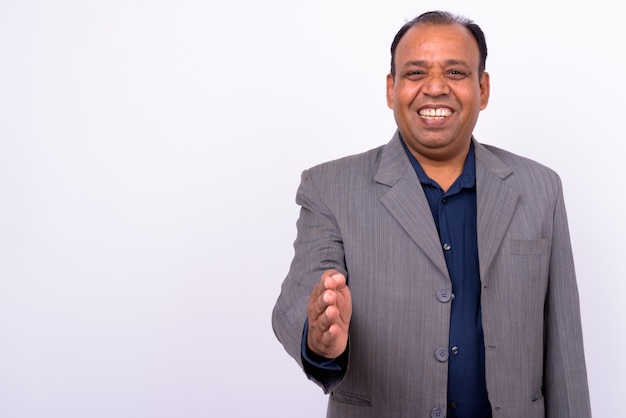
(149,156)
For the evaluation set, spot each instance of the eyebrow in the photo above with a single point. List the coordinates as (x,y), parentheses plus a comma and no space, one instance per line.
(423,63)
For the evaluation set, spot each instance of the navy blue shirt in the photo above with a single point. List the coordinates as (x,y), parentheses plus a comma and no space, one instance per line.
(454,214)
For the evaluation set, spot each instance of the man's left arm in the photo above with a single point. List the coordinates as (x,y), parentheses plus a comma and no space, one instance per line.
(565,375)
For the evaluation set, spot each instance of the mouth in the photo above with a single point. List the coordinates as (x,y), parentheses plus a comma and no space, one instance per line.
(435,113)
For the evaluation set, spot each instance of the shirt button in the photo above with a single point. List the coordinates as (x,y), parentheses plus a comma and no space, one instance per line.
(442,355)
(437,413)
(444,200)
(446,246)
(455,350)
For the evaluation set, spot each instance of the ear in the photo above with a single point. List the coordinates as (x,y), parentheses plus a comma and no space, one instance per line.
(484,90)
(390,91)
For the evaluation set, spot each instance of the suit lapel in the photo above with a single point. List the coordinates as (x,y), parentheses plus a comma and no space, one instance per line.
(407,203)
(496,202)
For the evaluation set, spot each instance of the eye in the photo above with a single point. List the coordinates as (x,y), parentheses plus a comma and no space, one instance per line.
(456,74)
(415,74)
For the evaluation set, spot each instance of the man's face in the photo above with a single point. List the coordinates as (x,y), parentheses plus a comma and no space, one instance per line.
(437,94)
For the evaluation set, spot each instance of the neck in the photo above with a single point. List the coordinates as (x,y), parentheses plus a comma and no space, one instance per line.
(444,174)
(443,171)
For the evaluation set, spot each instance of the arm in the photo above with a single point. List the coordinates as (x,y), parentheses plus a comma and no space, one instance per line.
(565,378)
(315,287)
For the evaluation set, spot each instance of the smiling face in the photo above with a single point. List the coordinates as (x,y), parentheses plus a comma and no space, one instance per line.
(437,93)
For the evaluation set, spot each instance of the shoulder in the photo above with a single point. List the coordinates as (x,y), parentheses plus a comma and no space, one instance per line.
(522,169)
(339,181)
(349,167)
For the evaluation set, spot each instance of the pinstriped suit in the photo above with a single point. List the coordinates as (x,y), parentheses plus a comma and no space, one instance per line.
(367,217)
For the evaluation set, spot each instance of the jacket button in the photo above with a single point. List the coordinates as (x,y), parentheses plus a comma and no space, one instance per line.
(455,350)
(444,295)
(437,413)
(442,355)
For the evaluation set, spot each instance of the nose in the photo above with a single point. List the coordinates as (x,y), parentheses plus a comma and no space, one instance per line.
(436,85)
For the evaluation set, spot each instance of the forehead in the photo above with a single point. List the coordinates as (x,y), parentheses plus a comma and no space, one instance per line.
(435,41)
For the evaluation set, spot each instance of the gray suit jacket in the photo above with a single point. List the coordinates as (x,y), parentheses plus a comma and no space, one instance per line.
(367,216)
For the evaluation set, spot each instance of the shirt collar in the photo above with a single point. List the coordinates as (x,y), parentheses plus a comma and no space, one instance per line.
(467,179)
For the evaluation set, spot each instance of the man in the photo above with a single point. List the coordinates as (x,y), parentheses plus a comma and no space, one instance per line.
(433,276)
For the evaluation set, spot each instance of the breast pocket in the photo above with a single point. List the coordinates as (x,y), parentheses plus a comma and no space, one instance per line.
(530,260)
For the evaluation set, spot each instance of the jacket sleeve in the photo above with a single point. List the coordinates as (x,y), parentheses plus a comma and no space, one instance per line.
(317,248)
(565,376)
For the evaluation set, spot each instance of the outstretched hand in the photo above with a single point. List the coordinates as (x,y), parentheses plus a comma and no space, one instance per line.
(329,312)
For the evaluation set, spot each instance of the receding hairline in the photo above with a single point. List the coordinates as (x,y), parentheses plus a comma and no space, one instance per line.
(450,61)
(443,18)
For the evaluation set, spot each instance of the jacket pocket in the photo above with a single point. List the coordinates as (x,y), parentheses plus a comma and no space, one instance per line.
(350,398)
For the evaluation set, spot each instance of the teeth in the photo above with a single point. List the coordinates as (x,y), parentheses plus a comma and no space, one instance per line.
(435,113)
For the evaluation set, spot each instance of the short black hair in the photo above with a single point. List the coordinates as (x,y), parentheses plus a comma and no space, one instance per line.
(438,17)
